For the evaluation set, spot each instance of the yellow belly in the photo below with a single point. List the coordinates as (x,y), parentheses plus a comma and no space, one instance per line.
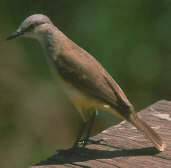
(83,103)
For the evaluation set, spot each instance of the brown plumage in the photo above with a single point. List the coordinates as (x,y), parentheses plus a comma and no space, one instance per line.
(84,72)
(84,79)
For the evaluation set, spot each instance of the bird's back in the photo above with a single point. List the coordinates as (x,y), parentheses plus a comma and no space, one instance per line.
(82,71)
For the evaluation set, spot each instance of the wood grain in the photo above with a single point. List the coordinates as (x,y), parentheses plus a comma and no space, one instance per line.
(122,146)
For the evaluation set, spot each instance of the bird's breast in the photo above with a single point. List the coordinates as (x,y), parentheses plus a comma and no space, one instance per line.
(82,102)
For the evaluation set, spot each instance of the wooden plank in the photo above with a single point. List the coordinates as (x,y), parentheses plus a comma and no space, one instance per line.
(123,146)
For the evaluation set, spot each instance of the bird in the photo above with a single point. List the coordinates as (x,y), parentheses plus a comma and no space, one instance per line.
(86,83)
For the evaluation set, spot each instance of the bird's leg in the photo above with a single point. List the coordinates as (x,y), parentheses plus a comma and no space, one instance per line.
(79,136)
(75,147)
(91,123)
(87,140)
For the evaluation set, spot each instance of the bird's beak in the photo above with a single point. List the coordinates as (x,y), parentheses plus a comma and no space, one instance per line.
(14,35)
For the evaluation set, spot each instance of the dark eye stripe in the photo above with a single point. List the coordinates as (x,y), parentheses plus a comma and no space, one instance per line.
(32,26)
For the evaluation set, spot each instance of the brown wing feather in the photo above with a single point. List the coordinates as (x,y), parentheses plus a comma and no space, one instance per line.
(84,72)
(81,70)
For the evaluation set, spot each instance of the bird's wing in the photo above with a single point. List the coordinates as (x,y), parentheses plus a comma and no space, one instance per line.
(84,72)
(81,70)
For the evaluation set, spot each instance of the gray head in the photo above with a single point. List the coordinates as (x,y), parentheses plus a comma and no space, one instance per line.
(31,26)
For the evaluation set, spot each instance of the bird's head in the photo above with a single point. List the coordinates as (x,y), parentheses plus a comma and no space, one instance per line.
(32,26)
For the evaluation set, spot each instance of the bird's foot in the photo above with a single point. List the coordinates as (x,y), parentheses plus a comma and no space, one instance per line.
(98,142)
(90,141)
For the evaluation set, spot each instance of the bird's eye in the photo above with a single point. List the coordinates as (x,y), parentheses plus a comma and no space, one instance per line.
(30,27)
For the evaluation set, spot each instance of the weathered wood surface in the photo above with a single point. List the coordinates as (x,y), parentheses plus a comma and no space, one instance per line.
(123,145)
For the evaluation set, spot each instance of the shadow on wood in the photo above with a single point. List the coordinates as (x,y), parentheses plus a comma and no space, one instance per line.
(122,145)
(86,154)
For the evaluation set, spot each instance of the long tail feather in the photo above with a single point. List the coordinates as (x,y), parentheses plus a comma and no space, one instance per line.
(147,131)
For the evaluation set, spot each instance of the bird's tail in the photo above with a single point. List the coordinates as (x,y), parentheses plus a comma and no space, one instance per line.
(147,131)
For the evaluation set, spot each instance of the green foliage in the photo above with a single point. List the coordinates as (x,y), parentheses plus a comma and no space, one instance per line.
(132,39)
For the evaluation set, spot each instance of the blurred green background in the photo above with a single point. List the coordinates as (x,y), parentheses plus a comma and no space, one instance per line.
(132,40)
